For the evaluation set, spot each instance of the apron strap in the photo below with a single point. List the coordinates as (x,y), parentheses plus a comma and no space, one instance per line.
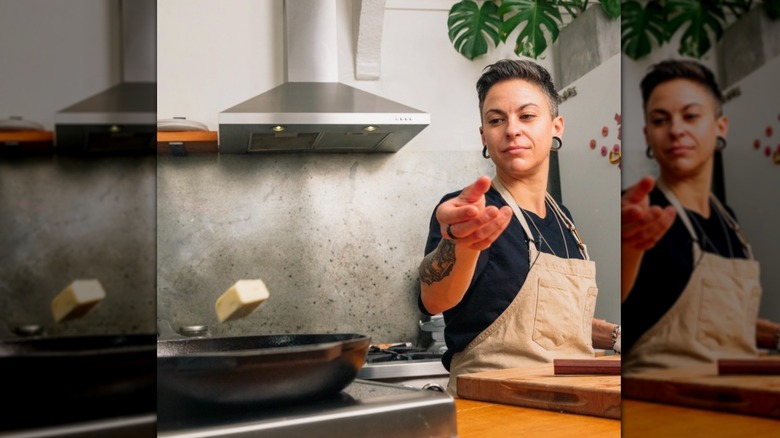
(732,223)
(556,210)
(499,186)
(683,215)
(570,225)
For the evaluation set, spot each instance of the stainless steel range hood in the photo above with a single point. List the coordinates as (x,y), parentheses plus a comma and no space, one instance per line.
(123,117)
(312,111)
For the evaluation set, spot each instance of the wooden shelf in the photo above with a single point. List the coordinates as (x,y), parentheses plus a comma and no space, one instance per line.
(186,142)
(27,141)
(26,136)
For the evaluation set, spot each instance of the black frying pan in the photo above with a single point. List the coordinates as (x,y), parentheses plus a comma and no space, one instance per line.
(270,369)
(58,380)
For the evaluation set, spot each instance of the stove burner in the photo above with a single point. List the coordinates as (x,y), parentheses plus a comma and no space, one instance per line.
(400,352)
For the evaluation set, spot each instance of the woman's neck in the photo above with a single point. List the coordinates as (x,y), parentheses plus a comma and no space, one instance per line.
(529,193)
(692,192)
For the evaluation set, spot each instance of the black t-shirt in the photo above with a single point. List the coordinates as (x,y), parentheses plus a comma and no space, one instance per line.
(667,267)
(500,273)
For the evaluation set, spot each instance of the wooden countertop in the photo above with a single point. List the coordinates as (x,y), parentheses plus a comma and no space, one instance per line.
(640,420)
(482,420)
(644,420)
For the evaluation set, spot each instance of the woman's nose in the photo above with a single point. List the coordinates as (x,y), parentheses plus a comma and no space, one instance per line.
(677,127)
(514,127)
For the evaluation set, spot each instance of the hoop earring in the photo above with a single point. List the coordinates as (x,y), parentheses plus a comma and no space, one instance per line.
(720,143)
(485,153)
(557,144)
(649,153)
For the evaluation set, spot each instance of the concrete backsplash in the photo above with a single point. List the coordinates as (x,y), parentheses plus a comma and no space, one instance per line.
(336,237)
(67,218)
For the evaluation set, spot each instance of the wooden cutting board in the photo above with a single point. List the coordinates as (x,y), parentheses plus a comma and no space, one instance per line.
(702,387)
(539,387)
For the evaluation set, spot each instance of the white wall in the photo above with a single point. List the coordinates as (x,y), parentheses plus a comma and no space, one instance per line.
(752,179)
(590,184)
(54,54)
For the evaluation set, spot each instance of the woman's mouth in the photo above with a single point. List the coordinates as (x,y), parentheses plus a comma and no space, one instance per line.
(515,149)
(679,150)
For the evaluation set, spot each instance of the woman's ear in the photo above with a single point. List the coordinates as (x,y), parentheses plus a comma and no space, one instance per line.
(557,127)
(723,126)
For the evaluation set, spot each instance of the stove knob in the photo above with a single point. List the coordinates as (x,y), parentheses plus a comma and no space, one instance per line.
(433,387)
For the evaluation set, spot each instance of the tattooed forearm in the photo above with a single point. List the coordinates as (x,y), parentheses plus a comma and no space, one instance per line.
(438,264)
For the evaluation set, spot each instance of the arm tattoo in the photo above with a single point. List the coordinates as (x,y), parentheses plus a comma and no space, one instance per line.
(438,264)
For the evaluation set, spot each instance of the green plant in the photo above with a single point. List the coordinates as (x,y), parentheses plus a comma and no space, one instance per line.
(701,23)
(473,24)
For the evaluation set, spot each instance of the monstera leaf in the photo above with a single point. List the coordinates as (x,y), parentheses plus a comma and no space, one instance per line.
(701,18)
(470,27)
(537,16)
(611,7)
(640,25)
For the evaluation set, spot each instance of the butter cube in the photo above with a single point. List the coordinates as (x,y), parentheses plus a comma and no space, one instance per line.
(241,299)
(77,299)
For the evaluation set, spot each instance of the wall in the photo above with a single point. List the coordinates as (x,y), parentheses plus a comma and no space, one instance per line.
(66,218)
(337,238)
(69,218)
(752,179)
(44,72)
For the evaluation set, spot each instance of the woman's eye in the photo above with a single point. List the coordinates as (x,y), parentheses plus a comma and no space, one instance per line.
(527,116)
(495,121)
(658,121)
(691,116)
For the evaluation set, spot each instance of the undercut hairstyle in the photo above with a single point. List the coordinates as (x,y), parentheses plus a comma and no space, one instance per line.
(530,71)
(681,69)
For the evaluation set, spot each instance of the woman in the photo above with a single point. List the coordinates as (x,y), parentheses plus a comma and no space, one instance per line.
(503,261)
(690,284)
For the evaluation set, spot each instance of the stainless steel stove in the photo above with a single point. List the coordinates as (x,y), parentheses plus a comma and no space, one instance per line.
(131,426)
(408,365)
(402,363)
(363,408)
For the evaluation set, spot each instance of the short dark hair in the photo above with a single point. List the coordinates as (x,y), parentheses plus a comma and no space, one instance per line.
(680,69)
(530,71)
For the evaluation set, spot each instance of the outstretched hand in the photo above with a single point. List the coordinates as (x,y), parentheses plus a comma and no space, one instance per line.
(465,220)
(642,224)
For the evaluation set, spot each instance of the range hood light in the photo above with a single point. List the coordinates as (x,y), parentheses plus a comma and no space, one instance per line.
(370,128)
(278,128)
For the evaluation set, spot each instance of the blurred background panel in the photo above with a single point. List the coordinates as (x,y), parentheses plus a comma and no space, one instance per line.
(77,202)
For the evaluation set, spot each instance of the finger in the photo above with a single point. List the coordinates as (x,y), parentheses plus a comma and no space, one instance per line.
(487,227)
(655,227)
(475,191)
(451,213)
(486,242)
(640,190)
(635,219)
(484,224)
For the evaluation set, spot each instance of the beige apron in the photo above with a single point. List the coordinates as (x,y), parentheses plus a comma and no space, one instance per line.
(714,317)
(551,316)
